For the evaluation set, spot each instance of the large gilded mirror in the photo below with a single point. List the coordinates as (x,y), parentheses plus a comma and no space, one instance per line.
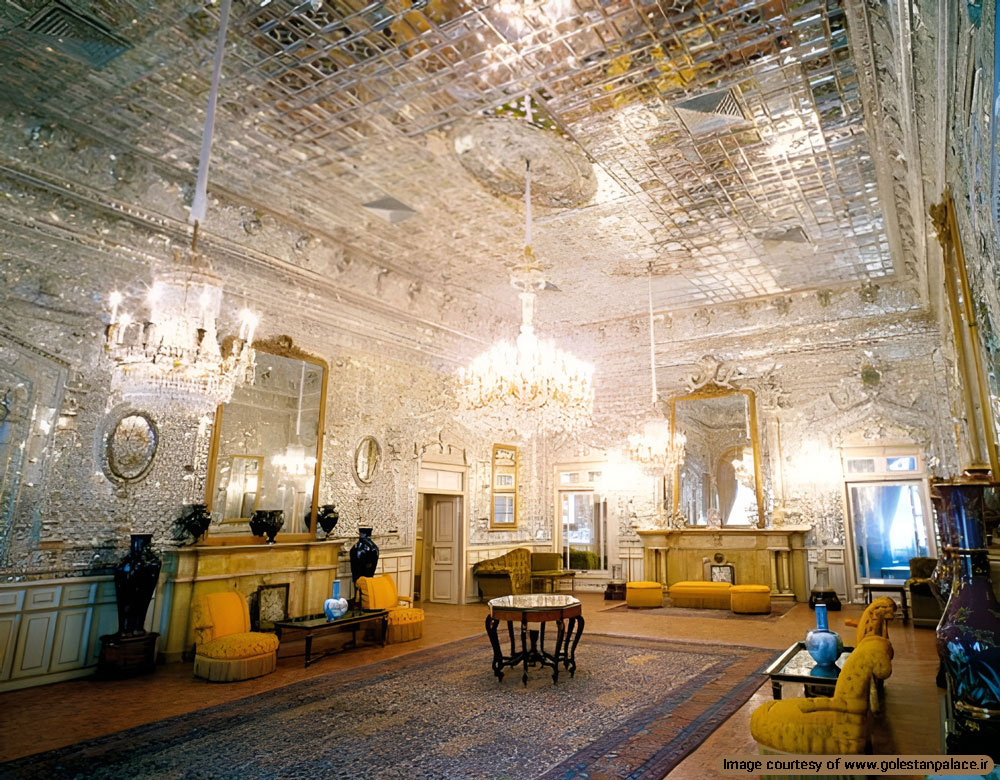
(268,441)
(719,481)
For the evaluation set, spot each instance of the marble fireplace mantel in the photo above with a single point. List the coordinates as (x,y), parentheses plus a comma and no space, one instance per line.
(775,557)
(308,567)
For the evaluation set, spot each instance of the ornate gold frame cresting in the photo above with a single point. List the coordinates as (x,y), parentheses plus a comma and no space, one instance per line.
(982,436)
(282,346)
(717,391)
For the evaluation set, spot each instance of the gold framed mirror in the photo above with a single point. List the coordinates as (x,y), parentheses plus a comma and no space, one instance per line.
(503,488)
(267,443)
(719,481)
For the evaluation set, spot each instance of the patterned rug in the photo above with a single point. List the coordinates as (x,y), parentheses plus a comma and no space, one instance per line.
(778,610)
(635,708)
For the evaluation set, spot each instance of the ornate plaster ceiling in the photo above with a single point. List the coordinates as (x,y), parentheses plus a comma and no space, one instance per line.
(725,138)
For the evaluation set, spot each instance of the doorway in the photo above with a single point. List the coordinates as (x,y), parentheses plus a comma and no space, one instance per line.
(438,547)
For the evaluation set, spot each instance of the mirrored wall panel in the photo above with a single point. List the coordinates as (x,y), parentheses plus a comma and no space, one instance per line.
(267,445)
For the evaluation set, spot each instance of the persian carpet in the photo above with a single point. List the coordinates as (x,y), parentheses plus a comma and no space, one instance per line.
(778,610)
(634,709)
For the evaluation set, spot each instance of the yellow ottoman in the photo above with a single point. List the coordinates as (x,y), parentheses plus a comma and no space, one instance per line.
(644,594)
(750,599)
(700,595)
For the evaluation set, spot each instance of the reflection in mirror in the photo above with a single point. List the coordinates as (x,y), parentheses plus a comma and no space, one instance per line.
(267,443)
(366,459)
(241,489)
(718,482)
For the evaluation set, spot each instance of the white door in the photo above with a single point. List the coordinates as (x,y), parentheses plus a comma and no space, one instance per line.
(445,546)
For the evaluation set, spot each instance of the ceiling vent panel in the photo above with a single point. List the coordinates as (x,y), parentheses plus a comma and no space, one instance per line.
(711,112)
(76,35)
(390,209)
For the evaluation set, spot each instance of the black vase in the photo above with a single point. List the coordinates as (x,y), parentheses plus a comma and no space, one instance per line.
(364,555)
(135,581)
(195,521)
(267,522)
(327,517)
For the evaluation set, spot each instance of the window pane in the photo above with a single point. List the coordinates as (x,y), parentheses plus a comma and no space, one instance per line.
(593,476)
(889,529)
(569,477)
(860,465)
(901,463)
(503,509)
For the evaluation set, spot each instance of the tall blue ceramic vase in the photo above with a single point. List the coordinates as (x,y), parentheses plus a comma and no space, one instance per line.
(824,645)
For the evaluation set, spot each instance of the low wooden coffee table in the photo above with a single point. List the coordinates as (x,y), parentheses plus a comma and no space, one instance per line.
(320,625)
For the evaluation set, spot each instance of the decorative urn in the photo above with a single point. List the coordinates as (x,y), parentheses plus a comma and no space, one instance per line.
(267,522)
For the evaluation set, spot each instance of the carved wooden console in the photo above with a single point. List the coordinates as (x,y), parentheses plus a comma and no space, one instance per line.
(309,568)
(775,557)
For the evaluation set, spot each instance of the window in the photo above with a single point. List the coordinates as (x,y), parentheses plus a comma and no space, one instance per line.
(584,530)
(889,528)
(583,519)
(889,518)
(503,513)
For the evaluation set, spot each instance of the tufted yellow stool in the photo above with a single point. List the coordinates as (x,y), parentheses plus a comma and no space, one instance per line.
(700,594)
(644,594)
(405,622)
(750,599)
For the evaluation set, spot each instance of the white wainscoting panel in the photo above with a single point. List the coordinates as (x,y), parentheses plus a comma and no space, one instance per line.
(50,629)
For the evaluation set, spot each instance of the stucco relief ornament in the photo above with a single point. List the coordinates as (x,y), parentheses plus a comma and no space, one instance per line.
(711,370)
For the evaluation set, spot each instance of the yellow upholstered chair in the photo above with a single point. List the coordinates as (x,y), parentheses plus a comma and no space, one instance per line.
(226,649)
(827,725)
(405,622)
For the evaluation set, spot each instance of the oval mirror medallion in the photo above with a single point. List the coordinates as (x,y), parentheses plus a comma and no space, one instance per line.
(366,459)
(132,447)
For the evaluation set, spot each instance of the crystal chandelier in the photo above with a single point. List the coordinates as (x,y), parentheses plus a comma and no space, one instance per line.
(530,386)
(656,449)
(171,356)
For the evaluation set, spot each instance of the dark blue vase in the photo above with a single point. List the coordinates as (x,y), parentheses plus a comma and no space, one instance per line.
(824,645)
(136,576)
(364,555)
(968,636)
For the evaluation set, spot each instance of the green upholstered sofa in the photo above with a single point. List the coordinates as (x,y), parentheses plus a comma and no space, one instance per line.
(512,572)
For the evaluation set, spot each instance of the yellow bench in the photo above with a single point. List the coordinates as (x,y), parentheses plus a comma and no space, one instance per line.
(700,595)
(750,599)
(644,594)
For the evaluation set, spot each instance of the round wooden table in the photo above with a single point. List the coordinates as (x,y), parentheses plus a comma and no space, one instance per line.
(538,608)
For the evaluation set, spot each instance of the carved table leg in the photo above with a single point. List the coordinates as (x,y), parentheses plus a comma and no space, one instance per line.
(491,632)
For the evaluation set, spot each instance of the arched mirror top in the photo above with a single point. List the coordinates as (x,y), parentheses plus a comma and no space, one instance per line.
(719,481)
(367,457)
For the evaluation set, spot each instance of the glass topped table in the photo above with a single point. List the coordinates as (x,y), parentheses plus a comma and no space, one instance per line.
(795,665)
(540,608)
(319,625)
